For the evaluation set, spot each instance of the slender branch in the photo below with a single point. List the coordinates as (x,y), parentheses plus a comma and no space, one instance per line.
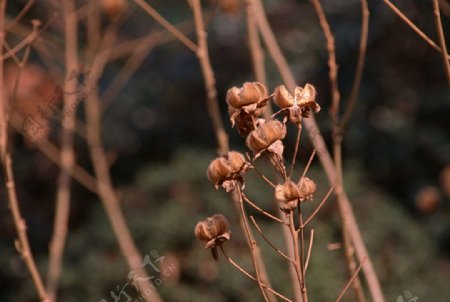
(269,242)
(167,25)
(231,261)
(256,52)
(106,190)
(22,244)
(25,42)
(209,79)
(318,208)
(311,240)
(20,15)
(261,210)
(297,145)
(414,27)
(297,260)
(351,280)
(332,65)
(302,251)
(67,153)
(251,240)
(440,31)
(311,157)
(359,68)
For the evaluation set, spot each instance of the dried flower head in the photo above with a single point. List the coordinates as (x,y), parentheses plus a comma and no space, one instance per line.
(245,103)
(215,230)
(299,105)
(267,136)
(226,170)
(307,187)
(290,193)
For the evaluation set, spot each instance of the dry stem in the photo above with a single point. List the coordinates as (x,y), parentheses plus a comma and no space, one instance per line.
(67,153)
(441,36)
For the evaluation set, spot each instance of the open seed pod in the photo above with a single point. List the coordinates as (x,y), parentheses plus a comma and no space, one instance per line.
(283,98)
(250,93)
(215,230)
(225,170)
(245,104)
(306,187)
(288,195)
(306,99)
(265,135)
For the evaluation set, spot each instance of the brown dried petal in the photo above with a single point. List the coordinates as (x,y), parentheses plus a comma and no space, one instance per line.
(233,97)
(266,134)
(307,187)
(282,97)
(218,170)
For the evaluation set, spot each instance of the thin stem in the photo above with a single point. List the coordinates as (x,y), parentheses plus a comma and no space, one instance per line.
(261,210)
(440,31)
(67,153)
(106,190)
(20,15)
(22,244)
(296,264)
(256,52)
(302,251)
(269,242)
(232,262)
(311,240)
(359,68)
(414,27)
(25,42)
(332,65)
(318,208)
(311,157)
(297,145)
(167,25)
(251,240)
(209,78)
(351,280)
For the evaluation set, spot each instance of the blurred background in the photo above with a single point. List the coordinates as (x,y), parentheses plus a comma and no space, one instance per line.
(159,141)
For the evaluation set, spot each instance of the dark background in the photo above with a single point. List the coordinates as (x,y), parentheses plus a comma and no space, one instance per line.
(159,136)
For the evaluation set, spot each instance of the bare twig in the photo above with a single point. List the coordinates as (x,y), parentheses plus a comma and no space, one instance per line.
(20,15)
(332,65)
(106,190)
(167,25)
(297,145)
(351,280)
(67,153)
(269,242)
(440,31)
(231,261)
(261,210)
(251,240)
(359,68)
(256,52)
(318,208)
(209,79)
(297,260)
(311,240)
(414,27)
(22,244)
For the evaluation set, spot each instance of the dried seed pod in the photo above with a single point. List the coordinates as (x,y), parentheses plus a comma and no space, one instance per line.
(248,94)
(282,97)
(225,170)
(265,135)
(306,99)
(214,230)
(307,187)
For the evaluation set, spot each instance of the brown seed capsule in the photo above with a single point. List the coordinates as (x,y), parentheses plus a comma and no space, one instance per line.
(265,135)
(306,99)
(282,97)
(224,169)
(307,187)
(248,94)
(214,230)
